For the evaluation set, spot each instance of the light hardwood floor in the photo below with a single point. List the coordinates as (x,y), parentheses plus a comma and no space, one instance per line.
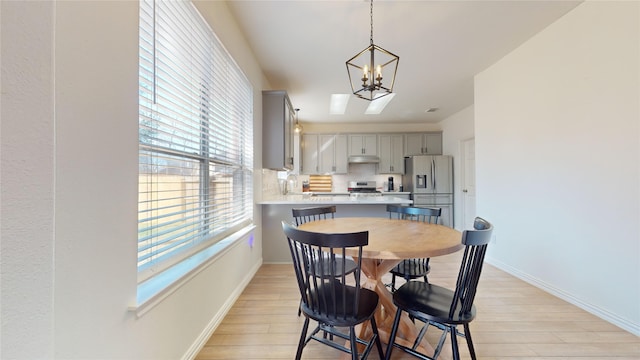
(515,321)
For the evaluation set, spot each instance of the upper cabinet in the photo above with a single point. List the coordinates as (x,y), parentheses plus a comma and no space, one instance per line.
(363,144)
(423,144)
(332,156)
(391,154)
(278,118)
(329,153)
(309,145)
(324,154)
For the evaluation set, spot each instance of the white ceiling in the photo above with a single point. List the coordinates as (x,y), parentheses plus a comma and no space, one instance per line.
(302,47)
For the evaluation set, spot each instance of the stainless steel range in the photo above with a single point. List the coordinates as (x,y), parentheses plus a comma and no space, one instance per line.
(363,188)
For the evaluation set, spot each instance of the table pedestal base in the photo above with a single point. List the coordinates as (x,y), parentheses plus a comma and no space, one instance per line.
(374,270)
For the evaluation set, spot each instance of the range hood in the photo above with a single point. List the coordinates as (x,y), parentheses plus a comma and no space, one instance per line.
(364,159)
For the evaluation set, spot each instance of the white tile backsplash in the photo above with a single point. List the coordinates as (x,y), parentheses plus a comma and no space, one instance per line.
(269,183)
(365,172)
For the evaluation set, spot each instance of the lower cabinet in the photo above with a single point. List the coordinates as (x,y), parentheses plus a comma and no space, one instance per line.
(444,202)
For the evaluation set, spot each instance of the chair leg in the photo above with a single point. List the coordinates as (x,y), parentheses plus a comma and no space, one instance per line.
(354,343)
(393,282)
(454,343)
(392,336)
(303,336)
(374,328)
(467,335)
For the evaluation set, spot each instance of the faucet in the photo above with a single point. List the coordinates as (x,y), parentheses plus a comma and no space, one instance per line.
(292,182)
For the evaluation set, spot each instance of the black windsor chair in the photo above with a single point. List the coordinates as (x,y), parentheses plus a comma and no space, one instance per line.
(318,261)
(410,269)
(304,215)
(441,307)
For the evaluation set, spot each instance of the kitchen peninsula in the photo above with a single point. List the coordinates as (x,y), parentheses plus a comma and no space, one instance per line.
(313,199)
(278,208)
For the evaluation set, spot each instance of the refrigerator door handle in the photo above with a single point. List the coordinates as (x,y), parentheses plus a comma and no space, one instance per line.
(433,174)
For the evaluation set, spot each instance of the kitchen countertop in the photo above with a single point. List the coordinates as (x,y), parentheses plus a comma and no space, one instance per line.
(334,193)
(336,199)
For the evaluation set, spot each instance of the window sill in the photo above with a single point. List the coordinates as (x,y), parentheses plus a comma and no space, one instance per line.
(152,291)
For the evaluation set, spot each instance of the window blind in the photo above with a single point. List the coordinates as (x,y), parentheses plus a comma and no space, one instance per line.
(195,134)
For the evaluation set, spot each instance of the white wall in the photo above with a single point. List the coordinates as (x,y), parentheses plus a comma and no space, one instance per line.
(558,156)
(27,151)
(69,190)
(455,129)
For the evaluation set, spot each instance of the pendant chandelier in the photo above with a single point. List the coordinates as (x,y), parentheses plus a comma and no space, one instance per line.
(297,128)
(367,67)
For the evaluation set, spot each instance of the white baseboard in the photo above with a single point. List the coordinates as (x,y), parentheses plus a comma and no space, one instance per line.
(202,339)
(606,315)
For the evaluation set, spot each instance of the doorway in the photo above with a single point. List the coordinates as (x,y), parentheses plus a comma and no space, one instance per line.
(468,151)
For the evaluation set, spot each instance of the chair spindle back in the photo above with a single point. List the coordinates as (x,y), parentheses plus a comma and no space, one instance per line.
(323,290)
(475,242)
(305,215)
(430,215)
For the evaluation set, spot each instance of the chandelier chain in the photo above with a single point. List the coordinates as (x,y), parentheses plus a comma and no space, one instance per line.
(371,12)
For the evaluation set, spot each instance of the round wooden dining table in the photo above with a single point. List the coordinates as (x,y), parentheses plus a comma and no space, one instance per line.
(391,241)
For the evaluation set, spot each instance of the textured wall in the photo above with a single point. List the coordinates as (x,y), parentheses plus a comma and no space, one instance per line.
(69,191)
(27,178)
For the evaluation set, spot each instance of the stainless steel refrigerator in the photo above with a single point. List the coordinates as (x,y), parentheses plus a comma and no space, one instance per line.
(429,178)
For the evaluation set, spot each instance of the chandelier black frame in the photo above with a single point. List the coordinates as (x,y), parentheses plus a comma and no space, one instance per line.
(363,82)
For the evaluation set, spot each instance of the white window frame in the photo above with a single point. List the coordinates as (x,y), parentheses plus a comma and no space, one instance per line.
(196,142)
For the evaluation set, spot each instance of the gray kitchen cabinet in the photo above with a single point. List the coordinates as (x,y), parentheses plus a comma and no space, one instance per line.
(278,118)
(332,156)
(429,143)
(309,145)
(391,154)
(324,154)
(363,144)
